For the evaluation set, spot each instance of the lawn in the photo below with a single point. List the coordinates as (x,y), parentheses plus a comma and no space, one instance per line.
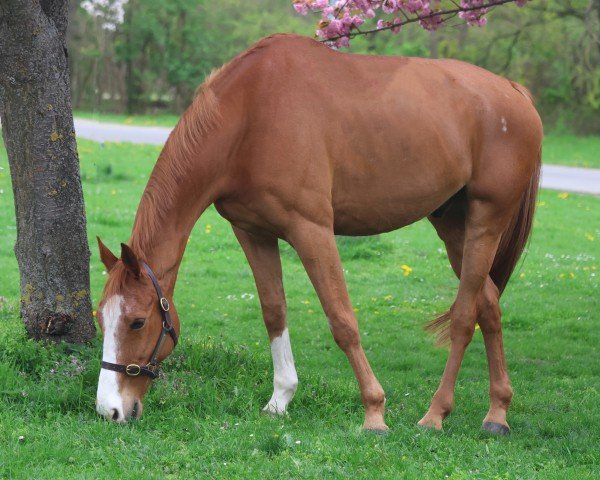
(572,150)
(202,420)
(149,120)
(559,149)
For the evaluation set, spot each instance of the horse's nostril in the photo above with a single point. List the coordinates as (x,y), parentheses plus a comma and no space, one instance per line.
(115,415)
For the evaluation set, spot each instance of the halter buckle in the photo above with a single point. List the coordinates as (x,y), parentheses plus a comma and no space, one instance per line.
(164,304)
(133,370)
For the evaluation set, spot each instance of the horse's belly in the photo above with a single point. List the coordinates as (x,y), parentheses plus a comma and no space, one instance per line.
(370,218)
(381,202)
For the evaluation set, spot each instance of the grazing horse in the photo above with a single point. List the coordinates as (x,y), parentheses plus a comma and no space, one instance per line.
(294,141)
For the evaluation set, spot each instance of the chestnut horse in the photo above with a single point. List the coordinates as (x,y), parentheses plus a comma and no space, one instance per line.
(294,141)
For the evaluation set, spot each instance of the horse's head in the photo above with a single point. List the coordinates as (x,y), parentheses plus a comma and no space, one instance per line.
(140,328)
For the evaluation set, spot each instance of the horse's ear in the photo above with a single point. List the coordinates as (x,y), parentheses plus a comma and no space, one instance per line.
(130,260)
(107,257)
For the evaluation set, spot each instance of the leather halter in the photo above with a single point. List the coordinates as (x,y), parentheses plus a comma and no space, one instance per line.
(151,368)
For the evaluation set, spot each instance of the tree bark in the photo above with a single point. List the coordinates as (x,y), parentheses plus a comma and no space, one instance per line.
(37,125)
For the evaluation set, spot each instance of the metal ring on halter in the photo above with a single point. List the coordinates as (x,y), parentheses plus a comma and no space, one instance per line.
(133,370)
(164,304)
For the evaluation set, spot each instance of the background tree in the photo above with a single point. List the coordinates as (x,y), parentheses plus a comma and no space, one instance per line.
(37,126)
(155,59)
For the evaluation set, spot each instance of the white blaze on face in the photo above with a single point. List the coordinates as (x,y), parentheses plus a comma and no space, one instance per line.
(285,379)
(108,399)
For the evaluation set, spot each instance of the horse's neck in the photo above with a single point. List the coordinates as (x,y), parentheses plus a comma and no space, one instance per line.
(177,193)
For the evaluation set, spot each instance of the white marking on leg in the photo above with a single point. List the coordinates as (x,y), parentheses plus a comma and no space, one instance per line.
(504,125)
(108,397)
(285,379)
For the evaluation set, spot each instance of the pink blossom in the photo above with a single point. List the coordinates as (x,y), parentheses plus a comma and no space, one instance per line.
(473,17)
(301,8)
(390,6)
(414,6)
(343,42)
(396,24)
(341,19)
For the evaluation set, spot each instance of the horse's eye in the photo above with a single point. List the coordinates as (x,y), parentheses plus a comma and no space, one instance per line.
(138,323)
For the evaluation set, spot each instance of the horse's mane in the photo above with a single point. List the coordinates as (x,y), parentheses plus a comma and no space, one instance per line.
(172,166)
(179,154)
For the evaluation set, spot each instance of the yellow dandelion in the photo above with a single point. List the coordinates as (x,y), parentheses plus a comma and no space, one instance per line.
(563,195)
(208,228)
(388,297)
(476,326)
(522,275)
(541,204)
(306,302)
(590,237)
(113,192)
(571,274)
(356,310)
(94,313)
(562,275)
(406,270)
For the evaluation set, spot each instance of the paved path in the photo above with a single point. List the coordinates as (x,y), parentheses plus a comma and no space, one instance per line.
(113,132)
(554,177)
(571,179)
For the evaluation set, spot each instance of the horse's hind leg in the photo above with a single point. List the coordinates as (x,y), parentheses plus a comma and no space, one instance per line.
(483,227)
(500,389)
(316,247)
(451,228)
(263,256)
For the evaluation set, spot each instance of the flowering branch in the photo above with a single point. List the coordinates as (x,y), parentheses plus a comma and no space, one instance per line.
(341,19)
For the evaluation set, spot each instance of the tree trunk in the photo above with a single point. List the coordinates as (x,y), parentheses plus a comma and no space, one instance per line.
(37,123)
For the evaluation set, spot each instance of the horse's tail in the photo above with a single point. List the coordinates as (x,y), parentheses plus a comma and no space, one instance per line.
(515,237)
(509,251)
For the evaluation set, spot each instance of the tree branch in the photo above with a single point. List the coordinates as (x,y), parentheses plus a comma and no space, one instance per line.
(439,13)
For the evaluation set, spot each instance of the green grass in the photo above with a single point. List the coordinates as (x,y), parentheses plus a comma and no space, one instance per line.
(202,420)
(160,120)
(559,149)
(572,150)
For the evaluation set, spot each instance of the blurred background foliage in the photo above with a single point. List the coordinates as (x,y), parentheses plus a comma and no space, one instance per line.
(154,60)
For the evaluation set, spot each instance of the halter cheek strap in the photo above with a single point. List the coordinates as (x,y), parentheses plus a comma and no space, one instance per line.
(152,367)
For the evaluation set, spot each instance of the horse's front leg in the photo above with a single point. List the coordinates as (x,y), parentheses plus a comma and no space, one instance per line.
(263,256)
(315,244)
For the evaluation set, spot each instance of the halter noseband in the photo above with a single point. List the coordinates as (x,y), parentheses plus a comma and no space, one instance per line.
(151,368)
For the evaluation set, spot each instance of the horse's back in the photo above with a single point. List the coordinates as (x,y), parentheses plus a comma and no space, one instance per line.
(384,140)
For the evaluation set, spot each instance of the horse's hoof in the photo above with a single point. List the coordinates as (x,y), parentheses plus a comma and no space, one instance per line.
(273,412)
(376,426)
(496,428)
(377,431)
(430,427)
(431,423)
